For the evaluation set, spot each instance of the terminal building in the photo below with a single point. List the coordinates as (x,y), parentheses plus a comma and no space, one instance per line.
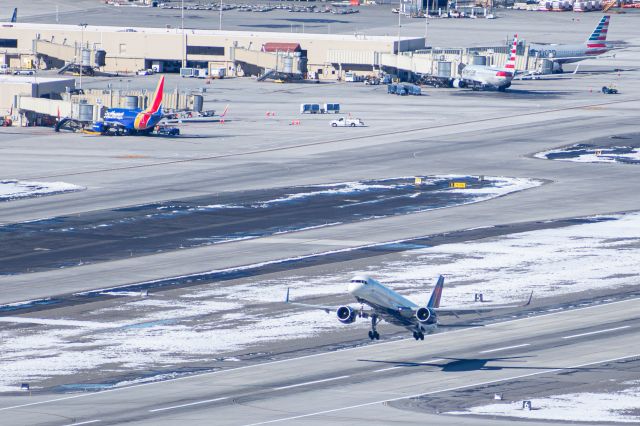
(240,53)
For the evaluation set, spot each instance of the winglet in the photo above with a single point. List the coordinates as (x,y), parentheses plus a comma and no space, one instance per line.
(287,299)
(225,111)
(530,298)
(14,17)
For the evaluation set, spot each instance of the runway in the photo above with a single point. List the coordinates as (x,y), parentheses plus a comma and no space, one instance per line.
(334,387)
(462,148)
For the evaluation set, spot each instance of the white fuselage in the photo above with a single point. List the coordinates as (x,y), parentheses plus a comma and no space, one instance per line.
(388,304)
(568,53)
(486,76)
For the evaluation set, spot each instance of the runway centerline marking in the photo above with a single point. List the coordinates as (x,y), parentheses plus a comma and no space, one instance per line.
(366,404)
(388,369)
(595,332)
(188,405)
(311,383)
(504,348)
(318,355)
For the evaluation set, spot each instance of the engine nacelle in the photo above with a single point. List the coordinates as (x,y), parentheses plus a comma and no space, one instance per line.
(423,315)
(346,315)
(459,84)
(99,126)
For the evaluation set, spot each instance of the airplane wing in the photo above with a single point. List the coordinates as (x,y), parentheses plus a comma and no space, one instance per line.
(361,310)
(455,311)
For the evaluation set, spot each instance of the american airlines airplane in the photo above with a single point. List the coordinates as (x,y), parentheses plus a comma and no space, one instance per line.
(480,77)
(381,303)
(566,53)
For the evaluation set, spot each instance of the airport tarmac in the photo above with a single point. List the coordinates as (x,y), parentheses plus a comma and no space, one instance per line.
(444,132)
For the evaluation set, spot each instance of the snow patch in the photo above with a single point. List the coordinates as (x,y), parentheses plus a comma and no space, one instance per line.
(14,189)
(612,407)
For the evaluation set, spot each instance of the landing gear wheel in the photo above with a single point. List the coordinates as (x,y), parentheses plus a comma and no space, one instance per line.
(418,335)
(373,333)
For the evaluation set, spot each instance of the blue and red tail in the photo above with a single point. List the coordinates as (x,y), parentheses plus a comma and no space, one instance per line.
(151,116)
(596,44)
(436,294)
(600,33)
(509,69)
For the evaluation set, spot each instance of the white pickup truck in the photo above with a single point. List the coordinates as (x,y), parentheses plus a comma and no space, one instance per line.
(347,122)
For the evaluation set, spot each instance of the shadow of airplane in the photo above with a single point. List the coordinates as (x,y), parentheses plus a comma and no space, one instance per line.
(471,364)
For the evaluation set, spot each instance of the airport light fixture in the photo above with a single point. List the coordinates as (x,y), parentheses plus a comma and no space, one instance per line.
(184,49)
(82,26)
(426,24)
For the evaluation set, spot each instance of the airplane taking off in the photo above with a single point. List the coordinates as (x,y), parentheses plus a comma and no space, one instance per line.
(566,53)
(480,77)
(133,121)
(383,303)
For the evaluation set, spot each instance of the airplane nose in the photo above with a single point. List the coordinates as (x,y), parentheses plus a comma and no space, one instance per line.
(354,287)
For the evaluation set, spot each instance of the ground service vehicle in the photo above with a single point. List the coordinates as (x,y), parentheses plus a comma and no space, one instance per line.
(347,122)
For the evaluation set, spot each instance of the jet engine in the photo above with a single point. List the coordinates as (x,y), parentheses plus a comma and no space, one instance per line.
(459,84)
(346,315)
(423,315)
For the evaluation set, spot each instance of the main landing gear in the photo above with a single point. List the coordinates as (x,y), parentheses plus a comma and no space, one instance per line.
(373,333)
(418,335)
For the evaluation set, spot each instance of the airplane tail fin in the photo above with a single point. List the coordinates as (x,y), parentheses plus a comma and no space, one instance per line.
(434,301)
(156,102)
(14,17)
(600,33)
(510,66)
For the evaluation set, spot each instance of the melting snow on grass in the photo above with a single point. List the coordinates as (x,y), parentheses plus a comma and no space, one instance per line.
(206,322)
(582,154)
(12,189)
(616,407)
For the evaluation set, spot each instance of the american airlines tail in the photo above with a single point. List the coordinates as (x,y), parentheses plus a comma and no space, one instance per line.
(600,33)
(434,301)
(596,44)
(156,103)
(509,69)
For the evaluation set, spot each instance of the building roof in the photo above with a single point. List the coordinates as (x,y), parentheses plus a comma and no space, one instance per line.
(281,47)
(32,79)
(189,31)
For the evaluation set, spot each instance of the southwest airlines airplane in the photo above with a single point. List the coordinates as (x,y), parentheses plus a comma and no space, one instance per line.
(133,121)
(381,303)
